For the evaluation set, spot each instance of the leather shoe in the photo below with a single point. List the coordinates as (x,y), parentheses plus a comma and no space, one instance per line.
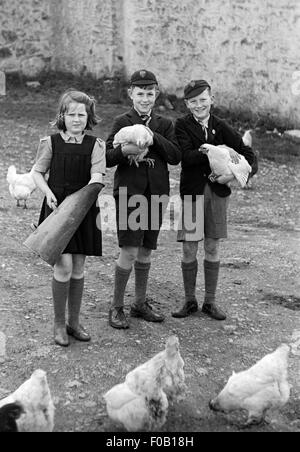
(213,311)
(60,336)
(79,333)
(117,318)
(187,309)
(146,312)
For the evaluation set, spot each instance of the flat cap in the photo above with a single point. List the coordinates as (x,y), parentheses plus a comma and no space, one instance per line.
(195,87)
(142,78)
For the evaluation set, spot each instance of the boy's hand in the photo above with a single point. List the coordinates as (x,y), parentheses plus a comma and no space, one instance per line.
(51,201)
(235,156)
(130,149)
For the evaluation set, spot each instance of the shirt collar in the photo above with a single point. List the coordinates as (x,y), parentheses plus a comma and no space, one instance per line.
(72,139)
(148,114)
(203,123)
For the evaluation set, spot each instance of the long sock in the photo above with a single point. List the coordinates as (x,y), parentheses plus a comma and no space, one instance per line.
(121,279)
(74,300)
(189,275)
(60,293)
(211,274)
(141,280)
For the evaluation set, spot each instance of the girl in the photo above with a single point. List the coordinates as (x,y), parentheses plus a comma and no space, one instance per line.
(73,159)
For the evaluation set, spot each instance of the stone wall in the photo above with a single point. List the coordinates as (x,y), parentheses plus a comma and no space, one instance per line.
(87,37)
(247,49)
(25,36)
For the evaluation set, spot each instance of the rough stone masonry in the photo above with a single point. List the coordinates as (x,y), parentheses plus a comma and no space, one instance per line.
(248,49)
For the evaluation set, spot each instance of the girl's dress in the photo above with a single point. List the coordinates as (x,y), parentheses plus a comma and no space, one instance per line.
(70,170)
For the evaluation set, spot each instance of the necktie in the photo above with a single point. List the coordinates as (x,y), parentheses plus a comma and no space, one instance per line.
(205,130)
(146,119)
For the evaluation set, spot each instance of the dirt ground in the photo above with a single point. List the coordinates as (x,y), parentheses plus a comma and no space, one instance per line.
(258,288)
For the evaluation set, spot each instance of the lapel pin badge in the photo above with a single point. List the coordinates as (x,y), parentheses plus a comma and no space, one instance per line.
(213,131)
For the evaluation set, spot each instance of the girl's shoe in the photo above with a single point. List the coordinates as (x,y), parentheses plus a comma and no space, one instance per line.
(79,333)
(60,336)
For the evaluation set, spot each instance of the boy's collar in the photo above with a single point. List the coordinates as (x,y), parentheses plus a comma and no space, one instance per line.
(143,114)
(204,122)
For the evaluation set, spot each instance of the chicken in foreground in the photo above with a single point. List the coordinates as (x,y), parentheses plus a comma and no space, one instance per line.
(139,135)
(223,168)
(21,186)
(35,399)
(263,386)
(8,417)
(141,402)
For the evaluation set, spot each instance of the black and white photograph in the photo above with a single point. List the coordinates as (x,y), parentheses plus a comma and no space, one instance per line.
(150,219)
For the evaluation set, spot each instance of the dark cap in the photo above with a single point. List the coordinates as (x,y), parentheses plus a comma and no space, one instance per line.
(195,87)
(142,78)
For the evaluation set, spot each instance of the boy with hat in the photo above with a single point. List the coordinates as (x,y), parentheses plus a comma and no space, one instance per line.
(148,181)
(203,201)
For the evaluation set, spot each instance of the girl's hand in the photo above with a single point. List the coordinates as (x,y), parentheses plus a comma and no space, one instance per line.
(51,201)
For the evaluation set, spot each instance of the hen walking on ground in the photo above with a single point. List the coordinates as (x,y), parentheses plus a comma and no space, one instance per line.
(247,139)
(35,400)
(21,186)
(141,402)
(263,386)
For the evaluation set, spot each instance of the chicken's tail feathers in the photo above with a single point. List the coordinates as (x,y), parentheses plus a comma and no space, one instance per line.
(241,170)
(283,350)
(39,374)
(294,344)
(11,174)
(172,345)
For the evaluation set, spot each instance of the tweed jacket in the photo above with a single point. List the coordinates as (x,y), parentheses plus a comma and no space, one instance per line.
(165,150)
(194,165)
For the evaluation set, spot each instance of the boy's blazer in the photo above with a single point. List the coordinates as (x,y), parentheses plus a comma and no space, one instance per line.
(195,165)
(164,150)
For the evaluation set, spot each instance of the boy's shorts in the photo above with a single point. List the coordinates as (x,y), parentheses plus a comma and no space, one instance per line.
(139,225)
(205,217)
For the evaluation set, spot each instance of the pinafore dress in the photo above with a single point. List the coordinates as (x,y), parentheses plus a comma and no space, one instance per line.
(70,170)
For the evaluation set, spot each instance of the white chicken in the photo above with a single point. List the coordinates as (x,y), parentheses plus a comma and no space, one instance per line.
(263,386)
(21,186)
(141,403)
(222,166)
(247,139)
(139,135)
(35,400)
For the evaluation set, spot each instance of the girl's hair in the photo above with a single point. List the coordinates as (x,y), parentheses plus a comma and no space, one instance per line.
(72,95)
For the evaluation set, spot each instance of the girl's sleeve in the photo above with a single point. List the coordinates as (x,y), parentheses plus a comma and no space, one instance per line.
(98,161)
(43,156)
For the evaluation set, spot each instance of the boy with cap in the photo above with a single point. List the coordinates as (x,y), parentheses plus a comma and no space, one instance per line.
(203,201)
(137,243)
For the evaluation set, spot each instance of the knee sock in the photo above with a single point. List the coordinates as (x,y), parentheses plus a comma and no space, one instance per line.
(211,274)
(121,279)
(60,294)
(189,275)
(74,300)
(141,281)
